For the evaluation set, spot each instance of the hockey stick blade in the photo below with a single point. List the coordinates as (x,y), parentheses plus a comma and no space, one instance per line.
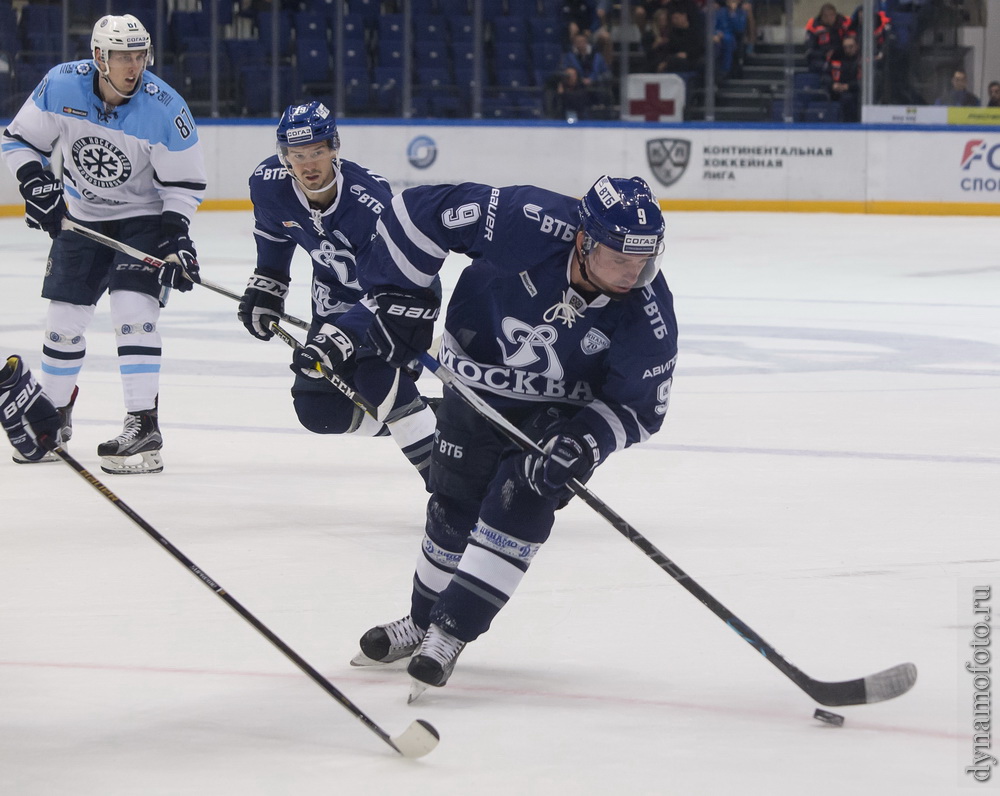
(156,262)
(379,412)
(878,687)
(415,741)
(875,688)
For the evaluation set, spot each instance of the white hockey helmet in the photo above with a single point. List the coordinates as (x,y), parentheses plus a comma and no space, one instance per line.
(125,33)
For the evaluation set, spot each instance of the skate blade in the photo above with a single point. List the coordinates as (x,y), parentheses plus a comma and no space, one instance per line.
(363,660)
(151,462)
(48,457)
(416,689)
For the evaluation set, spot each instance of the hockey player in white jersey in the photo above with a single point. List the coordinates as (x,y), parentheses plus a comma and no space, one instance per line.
(307,196)
(564,324)
(132,169)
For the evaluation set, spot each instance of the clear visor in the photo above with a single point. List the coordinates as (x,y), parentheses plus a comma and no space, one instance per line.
(622,272)
(315,166)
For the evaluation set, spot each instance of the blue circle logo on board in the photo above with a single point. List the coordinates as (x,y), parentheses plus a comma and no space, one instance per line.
(422,152)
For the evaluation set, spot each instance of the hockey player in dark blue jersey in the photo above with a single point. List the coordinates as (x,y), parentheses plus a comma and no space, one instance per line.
(307,196)
(565,325)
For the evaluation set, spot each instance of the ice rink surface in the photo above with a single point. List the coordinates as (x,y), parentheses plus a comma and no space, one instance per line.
(828,469)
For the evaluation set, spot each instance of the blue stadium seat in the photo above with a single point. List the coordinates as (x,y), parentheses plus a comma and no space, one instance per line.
(547,29)
(355,29)
(357,91)
(310,25)
(265,27)
(545,58)
(509,29)
(390,28)
(369,10)
(387,89)
(462,30)
(355,57)
(390,53)
(430,28)
(245,52)
(523,8)
(255,89)
(312,57)
(452,8)
(515,77)
(822,112)
(510,55)
(430,55)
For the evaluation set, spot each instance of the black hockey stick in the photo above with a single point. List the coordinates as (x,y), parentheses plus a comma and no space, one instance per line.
(378,412)
(874,688)
(417,740)
(124,248)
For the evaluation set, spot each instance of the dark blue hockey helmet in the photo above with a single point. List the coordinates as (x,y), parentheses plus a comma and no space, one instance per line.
(307,124)
(623,215)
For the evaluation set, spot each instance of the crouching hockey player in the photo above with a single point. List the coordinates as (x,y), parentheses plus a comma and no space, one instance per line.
(133,169)
(307,196)
(32,423)
(565,326)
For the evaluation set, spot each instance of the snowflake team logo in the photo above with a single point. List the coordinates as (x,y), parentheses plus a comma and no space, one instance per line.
(101,163)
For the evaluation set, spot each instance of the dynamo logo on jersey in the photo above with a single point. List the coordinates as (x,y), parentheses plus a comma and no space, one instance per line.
(422,152)
(528,338)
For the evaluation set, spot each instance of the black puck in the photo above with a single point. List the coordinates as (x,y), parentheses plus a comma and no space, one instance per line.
(833,719)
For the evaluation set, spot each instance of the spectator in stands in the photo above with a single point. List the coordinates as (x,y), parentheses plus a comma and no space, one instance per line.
(581,17)
(958,95)
(993,101)
(589,65)
(824,34)
(684,49)
(843,79)
(882,26)
(572,101)
(734,34)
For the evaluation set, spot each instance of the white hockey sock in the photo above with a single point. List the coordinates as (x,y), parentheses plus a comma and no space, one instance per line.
(414,433)
(64,349)
(135,316)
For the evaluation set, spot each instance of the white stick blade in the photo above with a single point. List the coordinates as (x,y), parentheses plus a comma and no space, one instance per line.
(890,683)
(417,740)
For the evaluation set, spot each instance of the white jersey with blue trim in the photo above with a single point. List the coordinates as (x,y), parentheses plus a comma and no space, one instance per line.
(516,329)
(139,158)
(338,238)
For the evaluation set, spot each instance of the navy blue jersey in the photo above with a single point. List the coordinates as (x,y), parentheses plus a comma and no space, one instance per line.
(338,239)
(516,330)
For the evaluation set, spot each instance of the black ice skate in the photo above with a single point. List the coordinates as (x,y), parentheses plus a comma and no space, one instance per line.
(140,437)
(434,661)
(65,432)
(388,643)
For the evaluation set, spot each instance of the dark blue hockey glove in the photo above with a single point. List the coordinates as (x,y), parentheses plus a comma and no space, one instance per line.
(44,207)
(181,268)
(31,421)
(263,302)
(403,328)
(564,457)
(330,348)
